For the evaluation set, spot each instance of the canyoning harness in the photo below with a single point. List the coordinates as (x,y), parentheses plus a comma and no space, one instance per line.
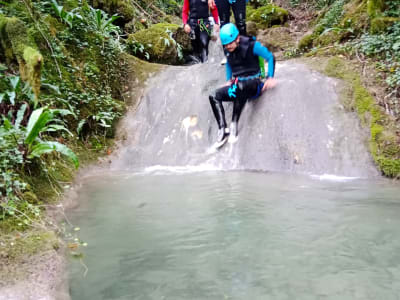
(241,80)
(203,24)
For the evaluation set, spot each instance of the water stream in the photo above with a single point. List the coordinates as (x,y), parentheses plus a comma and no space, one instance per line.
(294,210)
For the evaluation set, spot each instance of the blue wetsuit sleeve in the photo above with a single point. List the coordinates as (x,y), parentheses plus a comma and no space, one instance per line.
(228,71)
(262,51)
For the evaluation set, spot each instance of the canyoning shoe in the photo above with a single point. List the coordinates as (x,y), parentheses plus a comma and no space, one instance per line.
(233,133)
(222,137)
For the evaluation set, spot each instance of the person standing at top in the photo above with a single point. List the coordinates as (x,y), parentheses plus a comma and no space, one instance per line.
(243,76)
(224,11)
(195,17)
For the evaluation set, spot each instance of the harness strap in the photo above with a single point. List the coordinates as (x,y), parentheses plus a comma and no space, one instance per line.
(244,78)
(204,26)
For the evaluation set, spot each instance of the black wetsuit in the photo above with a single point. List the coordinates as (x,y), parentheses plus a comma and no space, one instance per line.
(244,90)
(197,12)
(246,83)
(239,12)
(200,37)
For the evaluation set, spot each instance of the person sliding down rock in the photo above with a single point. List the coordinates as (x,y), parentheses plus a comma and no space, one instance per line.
(195,17)
(244,79)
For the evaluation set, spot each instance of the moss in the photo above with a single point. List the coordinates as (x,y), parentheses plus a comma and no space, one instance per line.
(380,24)
(306,42)
(53,24)
(355,16)
(30,197)
(384,144)
(32,69)
(20,46)
(375,7)
(328,38)
(28,245)
(162,49)
(268,15)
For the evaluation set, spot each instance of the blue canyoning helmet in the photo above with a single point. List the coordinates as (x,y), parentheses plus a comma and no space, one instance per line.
(228,33)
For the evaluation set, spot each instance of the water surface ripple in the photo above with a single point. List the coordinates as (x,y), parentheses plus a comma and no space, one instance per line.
(237,235)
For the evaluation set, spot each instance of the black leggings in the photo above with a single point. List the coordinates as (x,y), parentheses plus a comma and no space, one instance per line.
(244,90)
(201,40)
(239,12)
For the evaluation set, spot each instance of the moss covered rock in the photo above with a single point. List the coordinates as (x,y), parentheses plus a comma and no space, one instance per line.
(384,143)
(328,38)
(306,42)
(268,16)
(18,45)
(375,7)
(380,24)
(158,42)
(276,39)
(355,16)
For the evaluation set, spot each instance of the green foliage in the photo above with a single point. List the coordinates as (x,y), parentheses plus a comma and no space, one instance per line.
(331,18)
(19,145)
(102,23)
(318,4)
(14,91)
(392,8)
(385,47)
(44,120)
(69,18)
(171,7)
(11,159)
(138,49)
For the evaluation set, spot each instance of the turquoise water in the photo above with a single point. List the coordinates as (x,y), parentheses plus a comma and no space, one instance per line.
(237,235)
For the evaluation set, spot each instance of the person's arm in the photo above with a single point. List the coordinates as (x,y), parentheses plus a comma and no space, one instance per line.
(211,4)
(185,11)
(214,12)
(262,51)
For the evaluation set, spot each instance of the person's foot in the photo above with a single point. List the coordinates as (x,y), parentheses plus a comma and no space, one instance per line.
(193,59)
(223,61)
(222,137)
(233,133)
(222,134)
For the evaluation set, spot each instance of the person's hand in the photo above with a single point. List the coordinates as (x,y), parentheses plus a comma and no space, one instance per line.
(211,4)
(216,27)
(187,28)
(269,84)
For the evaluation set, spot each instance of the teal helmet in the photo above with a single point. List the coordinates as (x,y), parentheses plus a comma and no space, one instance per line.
(228,33)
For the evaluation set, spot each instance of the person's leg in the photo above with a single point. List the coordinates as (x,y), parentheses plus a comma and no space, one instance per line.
(224,11)
(245,90)
(195,39)
(216,100)
(239,12)
(221,94)
(204,40)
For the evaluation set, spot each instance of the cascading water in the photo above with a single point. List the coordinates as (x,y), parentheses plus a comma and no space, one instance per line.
(300,126)
(158,229)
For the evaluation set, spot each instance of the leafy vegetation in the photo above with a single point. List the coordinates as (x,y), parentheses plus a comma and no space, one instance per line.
(62,79)
(76,103)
